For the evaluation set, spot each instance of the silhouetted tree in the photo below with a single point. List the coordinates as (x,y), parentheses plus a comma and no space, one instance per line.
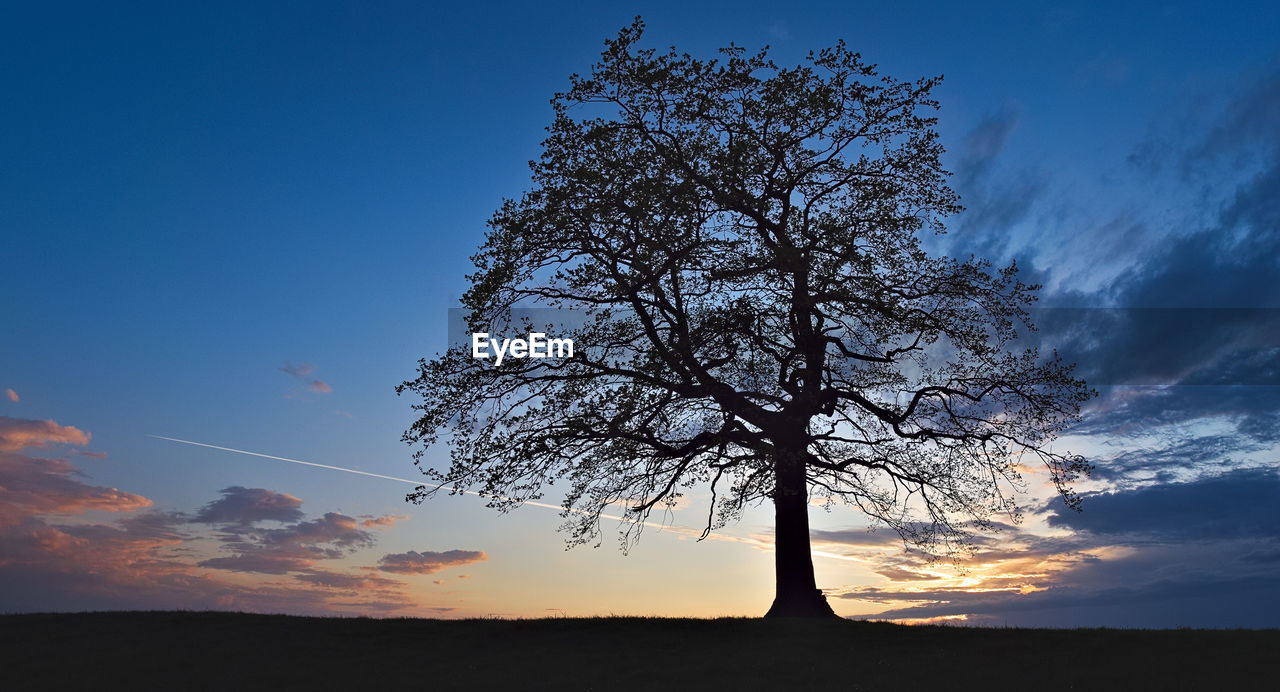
(757,315)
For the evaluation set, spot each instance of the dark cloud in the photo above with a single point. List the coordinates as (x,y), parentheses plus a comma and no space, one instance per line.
(1138,464)
(260,561)
(427,562)
(1244,503)
(246,506)
(1231,261)
(1164,346)
(858,538)
(1199,304)
(290,548)
(1140,410)
(333,529)
(166,526)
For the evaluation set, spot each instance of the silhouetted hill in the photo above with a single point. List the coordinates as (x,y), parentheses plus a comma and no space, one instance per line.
(208,650)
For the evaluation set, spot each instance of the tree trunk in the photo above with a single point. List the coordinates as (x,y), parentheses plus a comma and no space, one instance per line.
(797,593)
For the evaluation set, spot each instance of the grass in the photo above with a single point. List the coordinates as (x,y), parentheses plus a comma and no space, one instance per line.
(213,650)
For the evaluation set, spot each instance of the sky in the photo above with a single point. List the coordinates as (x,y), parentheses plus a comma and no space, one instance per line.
(242,224)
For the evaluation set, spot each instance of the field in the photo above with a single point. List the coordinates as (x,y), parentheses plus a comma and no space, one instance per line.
(206,650)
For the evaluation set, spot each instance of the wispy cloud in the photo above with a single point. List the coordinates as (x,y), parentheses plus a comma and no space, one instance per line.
(369,522)
(302,372)
(427,562)
(299,371)
(13,396)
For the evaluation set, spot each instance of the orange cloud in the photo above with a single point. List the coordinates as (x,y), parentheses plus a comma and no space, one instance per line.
(371,521)
(13,396)
(19,433)
(160,560)
(32,486)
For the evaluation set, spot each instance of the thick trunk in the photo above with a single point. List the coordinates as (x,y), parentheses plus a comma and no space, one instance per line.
(797,593)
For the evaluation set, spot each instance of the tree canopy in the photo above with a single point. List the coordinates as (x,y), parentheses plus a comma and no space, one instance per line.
(754,315)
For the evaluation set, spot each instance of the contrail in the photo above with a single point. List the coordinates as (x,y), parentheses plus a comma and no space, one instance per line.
(558,508)
(662,527)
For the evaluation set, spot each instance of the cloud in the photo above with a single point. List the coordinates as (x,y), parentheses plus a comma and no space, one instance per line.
(246,506)
(299,371)
(995,200)
(1204,584)
(336,529)
(291,548)
(1244,503)
(258,561)
(779,31)
(369,521)
(428,562)
(151,559)
(1248,120)
(36,486)
(1227,258)
(13,396)
(1199,552)
(1163,346)
(302,372)
(19,433)
(342,580)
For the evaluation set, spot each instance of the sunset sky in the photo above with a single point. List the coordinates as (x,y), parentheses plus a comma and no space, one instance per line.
(242,224)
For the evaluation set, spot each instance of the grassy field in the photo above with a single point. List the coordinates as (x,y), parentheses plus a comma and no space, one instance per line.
(197,650)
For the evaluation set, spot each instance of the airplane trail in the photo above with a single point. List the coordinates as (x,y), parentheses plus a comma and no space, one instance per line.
(678,529)
(684,530)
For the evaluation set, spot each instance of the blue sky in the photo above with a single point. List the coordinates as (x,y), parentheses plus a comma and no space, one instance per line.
(195,200)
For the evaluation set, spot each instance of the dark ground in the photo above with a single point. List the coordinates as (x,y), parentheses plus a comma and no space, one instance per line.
(189,650)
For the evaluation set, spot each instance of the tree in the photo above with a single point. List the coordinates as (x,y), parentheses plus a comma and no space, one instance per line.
(756,315)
